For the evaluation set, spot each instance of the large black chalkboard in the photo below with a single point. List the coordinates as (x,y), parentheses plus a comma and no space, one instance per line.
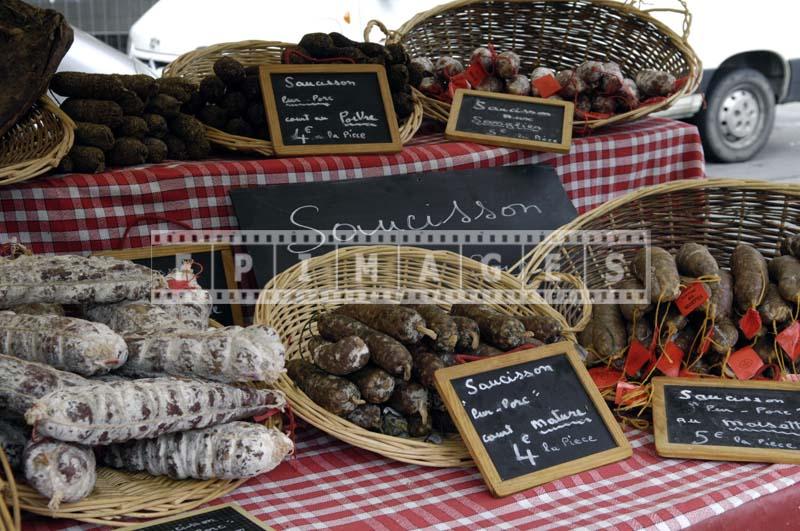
(335,106)
(513,121)
(530,415)
(529,198)
(758,421)
(229,517)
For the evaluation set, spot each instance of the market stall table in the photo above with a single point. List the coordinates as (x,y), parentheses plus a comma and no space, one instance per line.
(330,484)
(87,213)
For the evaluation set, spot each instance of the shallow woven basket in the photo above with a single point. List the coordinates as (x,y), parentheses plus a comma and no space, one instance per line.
(396,266)
(717,213)
(10,518)
(199,63)
(36,144)
(123,498)
(557,34)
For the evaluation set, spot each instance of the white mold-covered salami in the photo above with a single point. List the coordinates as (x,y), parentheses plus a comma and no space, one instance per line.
(65,343)
(72,279)
(237,450)
(134,318)
(193,308)
(13,438)
(114,412)
(23,382)
(59,471)
(232,354)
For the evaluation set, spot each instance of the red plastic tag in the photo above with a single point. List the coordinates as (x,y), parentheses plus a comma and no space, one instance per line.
(789,340)
(457,82)
(745,363)
(691,298)
(474,74)
(623,390)
(179,284)
(686,373)
(706,344)
(670,361)
(638,355)
(547,86)
(750,323)
(605,378)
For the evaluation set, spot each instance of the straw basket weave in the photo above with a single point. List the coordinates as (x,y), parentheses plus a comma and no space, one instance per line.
(397,267)
(36,144)
(199,63)
(719,214)
(557,34)
(119,497)
(10,518)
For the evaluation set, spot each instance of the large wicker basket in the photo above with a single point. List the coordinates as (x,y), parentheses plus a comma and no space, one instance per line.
(10,518)
(396,266)
(123,498)
(36,144)
(199,63)
(717,213)
(556,34)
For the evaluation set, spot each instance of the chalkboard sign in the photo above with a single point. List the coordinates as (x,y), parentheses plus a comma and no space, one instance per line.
(229,517)
(727,420)
(531,417)
(218,270)
(529,198)
(511,121)
(324,109)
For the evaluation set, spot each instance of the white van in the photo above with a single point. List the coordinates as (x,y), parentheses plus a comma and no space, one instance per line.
(750,52)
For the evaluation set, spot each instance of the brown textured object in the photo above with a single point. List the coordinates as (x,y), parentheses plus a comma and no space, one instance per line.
(87,159)
(85,85)
(94,135)
(32,43)
(127,151)
(335,394)
(143,85)
(94,111)
(375,384)
(367,416)
(441,323)
(750,278)
(132,126)
(156,150)
(469,334)
(502,331)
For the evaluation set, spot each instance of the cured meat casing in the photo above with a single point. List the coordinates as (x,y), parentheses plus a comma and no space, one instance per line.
(237,450)
(113,412)
(23,382)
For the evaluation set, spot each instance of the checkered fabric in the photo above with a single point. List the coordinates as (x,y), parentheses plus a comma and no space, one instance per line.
(332,485)
(85,213)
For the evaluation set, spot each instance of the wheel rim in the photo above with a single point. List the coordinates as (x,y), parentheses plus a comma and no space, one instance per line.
(741,118)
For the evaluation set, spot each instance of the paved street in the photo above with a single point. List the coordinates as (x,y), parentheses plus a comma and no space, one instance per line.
(780,158)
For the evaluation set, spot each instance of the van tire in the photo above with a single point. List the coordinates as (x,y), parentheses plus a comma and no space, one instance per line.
(739,115)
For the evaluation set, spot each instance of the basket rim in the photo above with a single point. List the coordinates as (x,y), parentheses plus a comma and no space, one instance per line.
(408,128)
(694,76)
(529,264)
(452,452)
(46,161)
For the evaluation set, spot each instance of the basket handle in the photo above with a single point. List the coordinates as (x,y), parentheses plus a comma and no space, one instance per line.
(391,35)
(683,10)
(580,288)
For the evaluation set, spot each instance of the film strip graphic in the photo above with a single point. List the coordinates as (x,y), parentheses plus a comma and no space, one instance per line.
(602,253)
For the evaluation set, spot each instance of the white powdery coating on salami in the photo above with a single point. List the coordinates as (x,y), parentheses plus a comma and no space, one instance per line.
(237,450)
(65,343)
(23,382)
(72,279)
(59,471)
(134,317)
(229,355)
(193,311)
(114,412)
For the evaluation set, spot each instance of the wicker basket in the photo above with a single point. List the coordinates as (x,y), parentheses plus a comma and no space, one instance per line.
(717,213)
(557,34)
(36,144)
(121,498)
(10,518)
(199,63)
(396,267)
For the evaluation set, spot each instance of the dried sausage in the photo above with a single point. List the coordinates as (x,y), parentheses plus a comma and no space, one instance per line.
(23,382)
(502,331)
(334,393)
(59,471)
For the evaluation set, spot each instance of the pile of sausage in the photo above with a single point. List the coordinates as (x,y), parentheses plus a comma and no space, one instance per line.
(92,371)
(374,364)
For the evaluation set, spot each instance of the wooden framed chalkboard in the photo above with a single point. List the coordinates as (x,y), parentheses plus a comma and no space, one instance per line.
(329,109)
(729,420)
(531,417)
(511,121)
(228,517)
(218,270)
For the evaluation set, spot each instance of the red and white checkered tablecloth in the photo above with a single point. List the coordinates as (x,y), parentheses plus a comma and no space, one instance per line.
(85,213)
(332,485)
